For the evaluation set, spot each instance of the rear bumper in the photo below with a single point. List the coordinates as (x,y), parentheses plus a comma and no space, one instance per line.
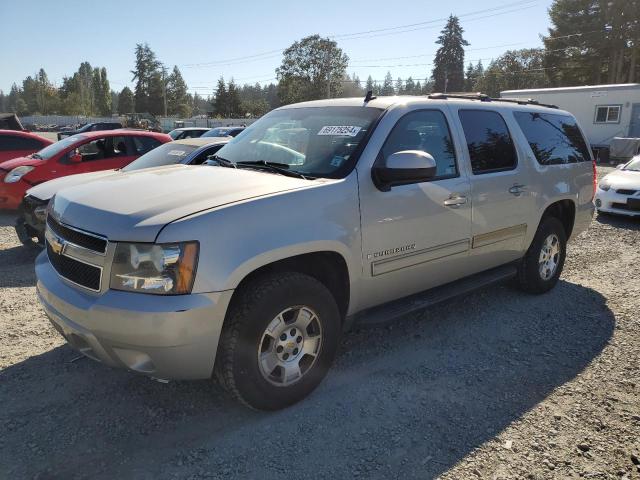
(167,337)
(612,202)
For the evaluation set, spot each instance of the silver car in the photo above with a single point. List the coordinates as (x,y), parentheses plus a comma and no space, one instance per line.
(316,216)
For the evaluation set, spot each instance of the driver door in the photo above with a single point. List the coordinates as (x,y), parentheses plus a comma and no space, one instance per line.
(416,236)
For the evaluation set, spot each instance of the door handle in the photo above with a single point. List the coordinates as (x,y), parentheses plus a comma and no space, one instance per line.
(517,190)
(454,201)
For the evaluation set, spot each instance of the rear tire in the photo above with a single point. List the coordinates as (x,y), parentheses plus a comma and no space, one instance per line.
(280,337)
(542,265)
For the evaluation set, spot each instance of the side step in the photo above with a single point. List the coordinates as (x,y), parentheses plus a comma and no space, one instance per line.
(388,312)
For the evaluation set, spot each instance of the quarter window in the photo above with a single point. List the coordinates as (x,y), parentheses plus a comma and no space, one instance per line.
(607,114)
(490,145)
(554,139)
(143,145)
(424,130)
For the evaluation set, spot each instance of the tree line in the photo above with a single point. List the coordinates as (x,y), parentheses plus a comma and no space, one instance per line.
(589,42)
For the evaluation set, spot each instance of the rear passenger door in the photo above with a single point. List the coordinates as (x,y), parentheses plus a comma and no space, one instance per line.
(503,205)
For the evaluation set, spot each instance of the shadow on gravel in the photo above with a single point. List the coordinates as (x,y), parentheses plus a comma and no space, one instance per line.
(17,266)
(618,221)
(406,401)
(7,219)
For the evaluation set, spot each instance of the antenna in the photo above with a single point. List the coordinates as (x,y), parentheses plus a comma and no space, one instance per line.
(369,96)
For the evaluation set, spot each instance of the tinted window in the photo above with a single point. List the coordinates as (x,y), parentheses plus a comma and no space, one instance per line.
(554,139)
(425,130)
(143,145)
(202,156)
(166,154)
(11,142)
(490,146)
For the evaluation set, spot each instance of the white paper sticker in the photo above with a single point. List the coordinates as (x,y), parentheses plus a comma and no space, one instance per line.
(342,130)
(177,153)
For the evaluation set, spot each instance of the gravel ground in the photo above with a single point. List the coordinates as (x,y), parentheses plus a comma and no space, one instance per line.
(498,385)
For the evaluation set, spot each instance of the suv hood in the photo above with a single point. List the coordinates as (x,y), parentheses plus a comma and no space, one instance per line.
(46,190)
(623,179)
(9,165)
(135,206)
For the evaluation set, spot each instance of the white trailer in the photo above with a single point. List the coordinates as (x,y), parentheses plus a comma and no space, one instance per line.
(603,111)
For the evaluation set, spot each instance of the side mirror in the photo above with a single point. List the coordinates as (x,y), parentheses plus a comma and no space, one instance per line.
(620,166)
(404,168)
(75,157)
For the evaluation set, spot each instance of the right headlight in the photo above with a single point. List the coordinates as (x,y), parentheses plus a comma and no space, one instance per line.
(17,173)
(604,185)
(161,269)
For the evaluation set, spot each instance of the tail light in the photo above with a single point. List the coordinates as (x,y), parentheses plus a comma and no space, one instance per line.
(595,180)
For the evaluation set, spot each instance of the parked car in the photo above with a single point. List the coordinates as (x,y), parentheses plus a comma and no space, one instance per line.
(32,212)
(86,152)
(187,132)
(619,191)
(91,127)
(14,143)
(224,132)
(252,269)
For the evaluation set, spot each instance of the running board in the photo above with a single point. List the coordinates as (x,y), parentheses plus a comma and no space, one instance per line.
(389,312)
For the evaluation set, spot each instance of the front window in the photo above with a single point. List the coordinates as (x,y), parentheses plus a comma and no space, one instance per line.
(58,147)
(167,154)
(633,165)
(314,141)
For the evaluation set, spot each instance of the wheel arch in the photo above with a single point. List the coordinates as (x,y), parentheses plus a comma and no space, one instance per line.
(565,211)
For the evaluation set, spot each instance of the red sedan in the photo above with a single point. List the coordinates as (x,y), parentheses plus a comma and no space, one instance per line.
(14,143)
(86,152)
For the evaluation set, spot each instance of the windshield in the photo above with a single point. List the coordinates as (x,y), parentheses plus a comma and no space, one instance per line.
(314,141)
(55,148)
(167,154)
(634,164)
(217,132)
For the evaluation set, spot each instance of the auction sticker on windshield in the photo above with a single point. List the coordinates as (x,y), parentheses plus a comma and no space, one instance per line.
(344,130)
(177,153)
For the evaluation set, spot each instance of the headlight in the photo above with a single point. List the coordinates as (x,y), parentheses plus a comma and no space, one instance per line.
(604,185)
(166,269)
(17,173)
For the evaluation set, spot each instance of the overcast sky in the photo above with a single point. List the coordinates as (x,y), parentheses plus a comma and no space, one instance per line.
(244,39)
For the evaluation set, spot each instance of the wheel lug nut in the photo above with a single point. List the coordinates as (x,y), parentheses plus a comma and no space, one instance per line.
(283,337)
(285,356)
(299,339)
(279,349)
(293,332)
(295,351)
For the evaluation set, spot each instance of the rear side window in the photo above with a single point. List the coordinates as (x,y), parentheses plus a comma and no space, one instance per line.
(424,130)
(490,145)
(143,145)
(554,139)
(11,142)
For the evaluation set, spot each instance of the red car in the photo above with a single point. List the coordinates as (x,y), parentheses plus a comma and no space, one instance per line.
(86,152)
(14,143)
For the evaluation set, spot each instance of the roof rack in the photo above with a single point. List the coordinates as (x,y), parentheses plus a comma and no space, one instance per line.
(486,98)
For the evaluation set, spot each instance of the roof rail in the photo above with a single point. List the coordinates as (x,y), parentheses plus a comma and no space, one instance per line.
(486,98)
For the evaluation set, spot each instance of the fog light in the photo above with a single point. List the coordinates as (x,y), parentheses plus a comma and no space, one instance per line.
(598,202)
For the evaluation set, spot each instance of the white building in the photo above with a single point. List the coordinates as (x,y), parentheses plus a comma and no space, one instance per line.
(603,111)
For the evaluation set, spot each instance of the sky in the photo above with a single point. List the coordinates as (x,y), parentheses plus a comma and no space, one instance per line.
(244,39)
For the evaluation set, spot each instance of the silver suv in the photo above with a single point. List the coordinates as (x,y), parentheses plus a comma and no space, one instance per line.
(317,216)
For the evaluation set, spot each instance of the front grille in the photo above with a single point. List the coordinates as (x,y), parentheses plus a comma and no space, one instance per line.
(624,191)
(625,206)
(82,239)
(81,273)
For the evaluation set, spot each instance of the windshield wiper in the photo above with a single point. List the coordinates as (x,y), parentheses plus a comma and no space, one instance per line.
(36,156)
(223,162)
(281,168)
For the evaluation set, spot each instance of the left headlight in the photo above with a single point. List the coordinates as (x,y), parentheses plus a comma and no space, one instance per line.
(604,185)
(161,269)
(17,173)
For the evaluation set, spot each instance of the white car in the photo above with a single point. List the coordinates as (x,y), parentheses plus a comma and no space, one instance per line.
(619,192)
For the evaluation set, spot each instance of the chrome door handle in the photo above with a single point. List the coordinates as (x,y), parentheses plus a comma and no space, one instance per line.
(517,190)
(455,201)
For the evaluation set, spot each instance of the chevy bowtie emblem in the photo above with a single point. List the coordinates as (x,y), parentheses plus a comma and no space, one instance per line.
(55,242)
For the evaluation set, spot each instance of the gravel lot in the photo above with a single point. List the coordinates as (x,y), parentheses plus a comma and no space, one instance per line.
(498,385)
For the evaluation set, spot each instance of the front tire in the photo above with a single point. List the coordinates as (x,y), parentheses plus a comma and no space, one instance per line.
(542,265)
(280,337)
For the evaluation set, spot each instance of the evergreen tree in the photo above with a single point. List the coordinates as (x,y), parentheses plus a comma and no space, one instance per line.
(104,99)
(399,87)
(473,74)
(514,70)
(233,100)
(448,70)
(126,101)
(410,87)
(177,100)
(145,73)
(369,85)
(220,101)
(387,85)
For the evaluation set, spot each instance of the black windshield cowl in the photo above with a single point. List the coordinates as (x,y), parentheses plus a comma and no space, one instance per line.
(281,168)
(219,161)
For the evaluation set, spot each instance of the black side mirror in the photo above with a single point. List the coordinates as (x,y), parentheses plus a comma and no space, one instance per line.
(404,168)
